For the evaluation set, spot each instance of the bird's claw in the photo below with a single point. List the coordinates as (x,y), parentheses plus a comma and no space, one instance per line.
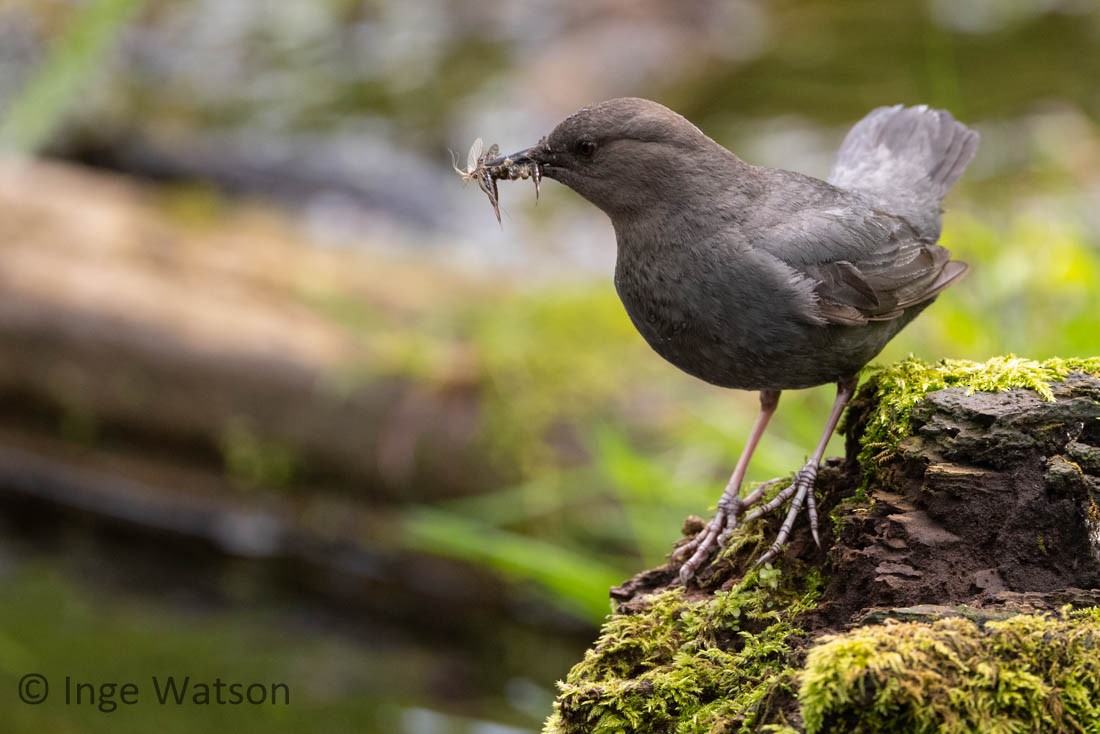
(713,536)
(800,492)
(700,546)
(729,515)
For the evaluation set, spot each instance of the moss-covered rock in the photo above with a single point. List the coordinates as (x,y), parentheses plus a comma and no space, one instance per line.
(976,525)
(1027,673)
(691,665)
(892,392)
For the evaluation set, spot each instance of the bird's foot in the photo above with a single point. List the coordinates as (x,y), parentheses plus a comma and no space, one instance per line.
(699,548)
(717,532)
(800,492)
(729,515)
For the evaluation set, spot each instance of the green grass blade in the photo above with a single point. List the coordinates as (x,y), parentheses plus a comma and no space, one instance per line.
(54,87)
(579,583)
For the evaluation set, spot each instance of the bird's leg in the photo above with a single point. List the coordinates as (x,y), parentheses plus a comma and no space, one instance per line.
(802,488)
(730,506)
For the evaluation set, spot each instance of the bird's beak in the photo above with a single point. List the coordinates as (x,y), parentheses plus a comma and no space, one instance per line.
(533,156)
(523,164)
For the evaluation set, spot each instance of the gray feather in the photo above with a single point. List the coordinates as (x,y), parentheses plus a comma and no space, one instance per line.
(904,160)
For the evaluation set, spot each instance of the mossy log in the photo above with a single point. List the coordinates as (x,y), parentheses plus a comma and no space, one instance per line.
(957,587)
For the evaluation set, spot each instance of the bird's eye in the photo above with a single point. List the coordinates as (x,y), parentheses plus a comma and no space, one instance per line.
(586,148)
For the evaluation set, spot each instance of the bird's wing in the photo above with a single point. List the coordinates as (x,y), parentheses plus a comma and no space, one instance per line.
(864,265)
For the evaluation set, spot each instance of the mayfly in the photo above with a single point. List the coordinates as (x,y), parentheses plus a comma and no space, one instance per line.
(478,169)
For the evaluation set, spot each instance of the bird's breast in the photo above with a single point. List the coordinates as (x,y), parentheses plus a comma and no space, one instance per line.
(681,315)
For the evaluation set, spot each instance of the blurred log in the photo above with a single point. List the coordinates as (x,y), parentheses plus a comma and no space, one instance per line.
(121,322)
(155,366)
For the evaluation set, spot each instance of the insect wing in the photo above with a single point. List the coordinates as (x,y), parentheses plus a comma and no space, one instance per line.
(474,157)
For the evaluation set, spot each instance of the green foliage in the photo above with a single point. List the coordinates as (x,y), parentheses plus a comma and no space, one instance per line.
(1025,673)
(546,364)
(577,582)
(683,665)
(652,492)
(75,57)
(541,531)
(1031,289)
(549,361)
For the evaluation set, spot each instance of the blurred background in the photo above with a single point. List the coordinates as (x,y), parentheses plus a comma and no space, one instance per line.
(279,400)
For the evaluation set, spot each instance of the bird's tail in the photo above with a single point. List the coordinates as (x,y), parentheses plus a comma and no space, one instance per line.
(905,159)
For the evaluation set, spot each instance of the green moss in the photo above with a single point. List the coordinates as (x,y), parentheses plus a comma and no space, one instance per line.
(688,666)
(1025,673)
(894,390)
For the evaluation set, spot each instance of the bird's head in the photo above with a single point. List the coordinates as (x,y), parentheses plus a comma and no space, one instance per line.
(625,155)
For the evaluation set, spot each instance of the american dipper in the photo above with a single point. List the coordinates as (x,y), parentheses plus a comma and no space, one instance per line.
(759,278)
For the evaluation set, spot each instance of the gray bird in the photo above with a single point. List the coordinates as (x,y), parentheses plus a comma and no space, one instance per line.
(759,278)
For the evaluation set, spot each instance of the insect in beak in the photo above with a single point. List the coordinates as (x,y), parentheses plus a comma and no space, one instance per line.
(485,167)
